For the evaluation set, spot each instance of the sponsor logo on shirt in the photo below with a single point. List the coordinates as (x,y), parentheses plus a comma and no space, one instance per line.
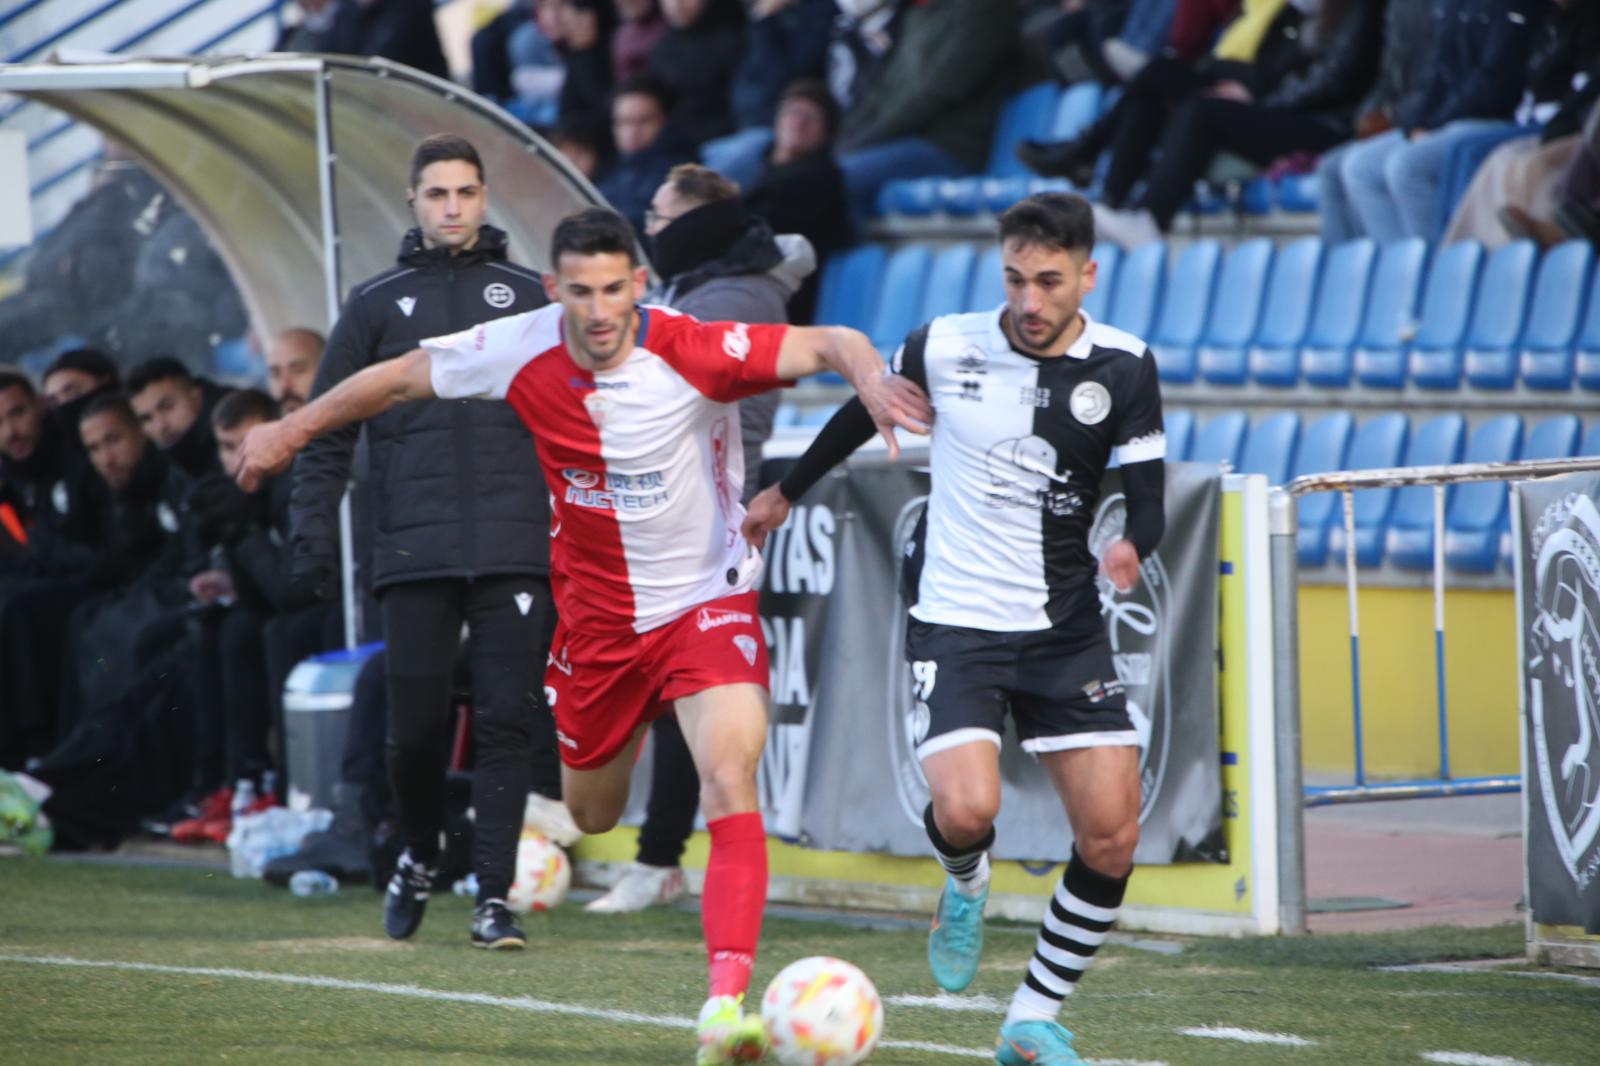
(616,492)
(736,342)
(1023,471)
(971,390)
(1098,690)
(498,294)
(973,360)
(590,386)
(568,741)
(480,337)
(559,660)
(1034,397)
(712,617)
(1090,403)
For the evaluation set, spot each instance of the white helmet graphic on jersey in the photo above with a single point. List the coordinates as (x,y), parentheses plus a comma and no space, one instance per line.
(1024,468)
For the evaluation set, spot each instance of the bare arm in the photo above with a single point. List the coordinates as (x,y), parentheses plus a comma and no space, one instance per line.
(809,349)
(270,447)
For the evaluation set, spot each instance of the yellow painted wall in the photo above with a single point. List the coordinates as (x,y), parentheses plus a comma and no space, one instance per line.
(1398,692)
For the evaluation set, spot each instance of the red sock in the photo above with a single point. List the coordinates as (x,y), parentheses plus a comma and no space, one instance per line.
(734,896)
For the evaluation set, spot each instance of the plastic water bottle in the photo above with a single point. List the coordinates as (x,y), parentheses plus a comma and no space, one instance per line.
(304,883)
(244,794)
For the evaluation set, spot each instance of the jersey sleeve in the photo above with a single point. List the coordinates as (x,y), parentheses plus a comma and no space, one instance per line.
(911,358)
(1141,435)
(725,361)
(480,362)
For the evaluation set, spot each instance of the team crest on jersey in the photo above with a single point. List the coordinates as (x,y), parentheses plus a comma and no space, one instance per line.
(1090,403)
(498,294)
(747,647)
(596,404)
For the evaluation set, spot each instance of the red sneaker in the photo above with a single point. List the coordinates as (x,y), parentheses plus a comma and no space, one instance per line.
(217,805)
(217,829)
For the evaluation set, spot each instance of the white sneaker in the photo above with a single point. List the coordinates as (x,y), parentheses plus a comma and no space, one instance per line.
(642,886)
(1127,228)
(550,818)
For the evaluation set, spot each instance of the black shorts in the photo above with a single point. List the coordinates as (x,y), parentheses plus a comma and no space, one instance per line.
(1061,690)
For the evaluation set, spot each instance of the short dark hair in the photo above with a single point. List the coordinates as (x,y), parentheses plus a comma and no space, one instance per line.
(110,401)
(240,405)
(13,378)
(813,91)
(89,361)
(692,181)
(647,85)
(1052,219)
(443,148)
(594,231)
(159,368)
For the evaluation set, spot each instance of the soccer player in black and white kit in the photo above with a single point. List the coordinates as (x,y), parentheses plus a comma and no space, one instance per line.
(1031,402)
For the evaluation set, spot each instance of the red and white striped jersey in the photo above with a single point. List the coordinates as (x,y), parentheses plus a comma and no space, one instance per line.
(643,459)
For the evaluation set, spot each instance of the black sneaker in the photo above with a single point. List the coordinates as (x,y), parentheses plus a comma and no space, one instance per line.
(495,927)
(407,898)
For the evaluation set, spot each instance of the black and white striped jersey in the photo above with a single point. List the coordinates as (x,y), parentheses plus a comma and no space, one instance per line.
(1019,447)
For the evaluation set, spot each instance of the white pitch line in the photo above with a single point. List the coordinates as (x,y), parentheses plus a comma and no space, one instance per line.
(1467,1058)
(1248,1036)
(1445,967)
(524,1003)
(948,1001)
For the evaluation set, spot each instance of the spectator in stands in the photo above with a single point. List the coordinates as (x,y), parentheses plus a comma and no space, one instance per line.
(292,362)
(516,61)
(78,373)
(26,453)
(583,39)
(1108,41)
(786,40)
(640,27)
(1578,213)
(463,535)
(648,146)
(1311,111)
(1472,79)
(399,30)
(800,188)
(1523,170)
(928,107)
(696,59)
(308,33)
(582,146)
(718,264)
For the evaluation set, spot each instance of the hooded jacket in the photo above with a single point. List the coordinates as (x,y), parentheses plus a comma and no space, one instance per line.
(457,491)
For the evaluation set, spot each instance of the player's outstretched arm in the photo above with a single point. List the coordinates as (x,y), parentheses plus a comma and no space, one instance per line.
(809,349)
(270,447)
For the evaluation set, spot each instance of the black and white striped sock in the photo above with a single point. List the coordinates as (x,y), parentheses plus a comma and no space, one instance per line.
(1075,925)
(968,865)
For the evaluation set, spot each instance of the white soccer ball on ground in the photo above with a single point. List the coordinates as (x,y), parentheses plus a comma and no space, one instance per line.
(542,877)
(822,1011)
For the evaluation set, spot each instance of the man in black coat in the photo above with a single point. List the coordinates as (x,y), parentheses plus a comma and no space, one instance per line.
(462,534)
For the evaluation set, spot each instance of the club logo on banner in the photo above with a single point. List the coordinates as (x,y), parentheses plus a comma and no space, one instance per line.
(1562,647)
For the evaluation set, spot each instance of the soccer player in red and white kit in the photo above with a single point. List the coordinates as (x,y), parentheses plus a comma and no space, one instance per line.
(632,409)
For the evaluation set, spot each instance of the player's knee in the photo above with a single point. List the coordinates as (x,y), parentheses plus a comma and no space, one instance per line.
(593,816)
(965,819)
(1109,851)
(727,788)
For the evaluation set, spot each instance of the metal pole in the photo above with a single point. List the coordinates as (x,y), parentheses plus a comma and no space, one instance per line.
(1282,531)
(326,161)
(1355,626)
(1438,629)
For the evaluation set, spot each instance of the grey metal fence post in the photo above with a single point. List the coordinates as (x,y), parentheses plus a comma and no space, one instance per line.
(1283,528)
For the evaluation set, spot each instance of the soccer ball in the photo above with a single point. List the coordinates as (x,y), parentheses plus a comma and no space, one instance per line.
(543,874)
(822,1011)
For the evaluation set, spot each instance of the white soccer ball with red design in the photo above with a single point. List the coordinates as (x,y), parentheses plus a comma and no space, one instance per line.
(822,1011)
(543,875)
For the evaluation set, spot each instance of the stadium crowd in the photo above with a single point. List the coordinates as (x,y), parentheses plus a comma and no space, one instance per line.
(150,611)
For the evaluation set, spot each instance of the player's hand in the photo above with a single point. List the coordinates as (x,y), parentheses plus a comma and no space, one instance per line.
(267,450)
(1120,563)
(211,586)
(894,400)
(767,512)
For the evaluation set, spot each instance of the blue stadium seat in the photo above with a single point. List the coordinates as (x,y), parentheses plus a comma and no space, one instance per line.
(1558,299)
(1234,314)
(1256,197)
(1029,114)
(900,296)
(786,415)
(1220,439)
(1435,358)
(1435,442)
(1591,441)
(1269,449)
(1076,111)
(1380,348)
(1554,438)
(1275,355)
(1107,258)
(988,282)
(1475,514)
(816,417)
(1179,427)
(1190,282)
(1379,444)
(1139,279)
(1502,307)
(1322,450)
(1298,193)
(1336,321)
(909,196)
(849,287)
(948,281)
(1587,356)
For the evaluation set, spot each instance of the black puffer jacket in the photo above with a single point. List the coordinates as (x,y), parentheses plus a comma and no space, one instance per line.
(456,486)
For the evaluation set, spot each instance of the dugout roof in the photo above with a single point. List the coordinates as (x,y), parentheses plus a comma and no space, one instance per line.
(249,146)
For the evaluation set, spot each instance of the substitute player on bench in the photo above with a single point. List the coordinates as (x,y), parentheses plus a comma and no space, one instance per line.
(1032,400)
(632,411)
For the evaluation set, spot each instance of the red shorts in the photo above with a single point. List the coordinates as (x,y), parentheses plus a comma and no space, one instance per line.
(602,688)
